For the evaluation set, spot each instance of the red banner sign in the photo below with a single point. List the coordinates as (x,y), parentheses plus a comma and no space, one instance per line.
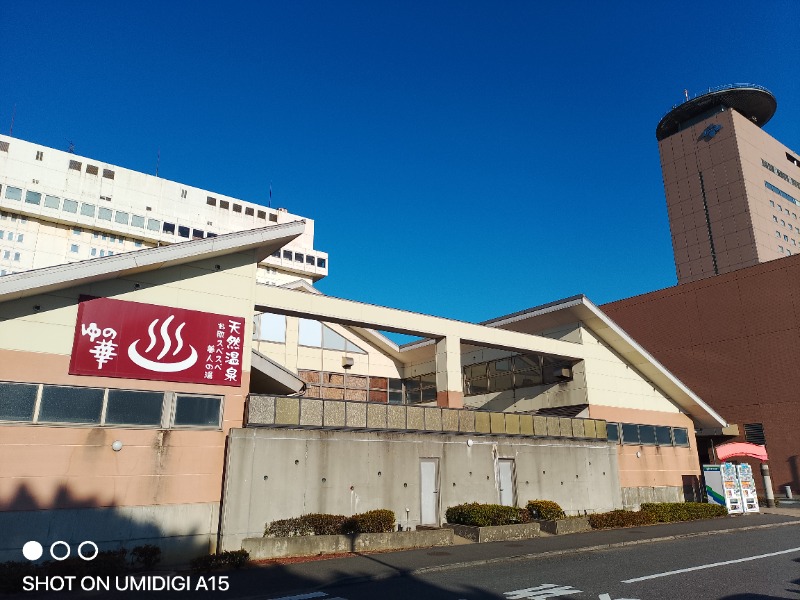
(725,451)
(114,338)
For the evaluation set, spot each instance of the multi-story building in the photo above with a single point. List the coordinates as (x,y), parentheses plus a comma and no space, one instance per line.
(732,189)
(58,207)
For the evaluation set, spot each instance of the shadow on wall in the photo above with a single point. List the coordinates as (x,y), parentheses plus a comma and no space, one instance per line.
(74,520)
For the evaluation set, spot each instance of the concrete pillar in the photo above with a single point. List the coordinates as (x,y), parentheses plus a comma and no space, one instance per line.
(449,383)
(768,485)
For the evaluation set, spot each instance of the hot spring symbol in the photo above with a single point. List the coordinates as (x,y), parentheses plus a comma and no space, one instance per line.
(156,365)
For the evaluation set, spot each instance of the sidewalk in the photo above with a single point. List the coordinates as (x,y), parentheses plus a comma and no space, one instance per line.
(282,579)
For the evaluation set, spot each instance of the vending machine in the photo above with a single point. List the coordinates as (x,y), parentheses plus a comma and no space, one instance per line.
(722,487)
(748,487)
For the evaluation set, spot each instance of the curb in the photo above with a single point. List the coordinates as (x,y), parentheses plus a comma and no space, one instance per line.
(520,557)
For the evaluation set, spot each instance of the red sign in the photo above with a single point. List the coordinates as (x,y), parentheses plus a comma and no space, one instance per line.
(725,451)
(114,338)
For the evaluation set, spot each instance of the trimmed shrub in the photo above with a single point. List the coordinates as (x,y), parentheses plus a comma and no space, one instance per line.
(230,559)
(669,512)
(620,518)
(546,510)
(322,524)
(145,557)
(288,528)
(373,521)
(486,515)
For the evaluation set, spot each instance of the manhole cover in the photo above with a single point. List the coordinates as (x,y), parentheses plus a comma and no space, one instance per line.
(439,553)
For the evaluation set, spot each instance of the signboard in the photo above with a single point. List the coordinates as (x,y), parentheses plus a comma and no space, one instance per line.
(715,494)
(115,338)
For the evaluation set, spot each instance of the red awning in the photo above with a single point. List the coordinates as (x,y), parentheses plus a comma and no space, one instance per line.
(725,451)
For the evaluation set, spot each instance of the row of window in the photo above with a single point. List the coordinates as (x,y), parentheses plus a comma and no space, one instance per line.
(780,173)
(237,208)
(785,224)
(13,217)
(11,236)
(269,327)
(514,372)
(786,251)
(780,209)
(10,255)
(45,404)
(647,435)
(75,165)
(780,192)
(300,258)
(359,388)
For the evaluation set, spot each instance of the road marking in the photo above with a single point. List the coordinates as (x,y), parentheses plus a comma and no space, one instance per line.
(711,565)
(546,590)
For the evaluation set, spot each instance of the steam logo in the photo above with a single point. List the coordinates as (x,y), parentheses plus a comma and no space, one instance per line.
(156,365)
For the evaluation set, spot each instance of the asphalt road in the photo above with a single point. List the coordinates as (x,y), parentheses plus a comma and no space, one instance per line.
(761,564)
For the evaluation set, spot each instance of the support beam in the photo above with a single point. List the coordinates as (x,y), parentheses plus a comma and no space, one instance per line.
(449,383)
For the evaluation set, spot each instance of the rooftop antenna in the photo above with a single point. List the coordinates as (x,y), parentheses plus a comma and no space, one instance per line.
(686,94)
(13,114)
(158,161)
(269,204)
(70,147)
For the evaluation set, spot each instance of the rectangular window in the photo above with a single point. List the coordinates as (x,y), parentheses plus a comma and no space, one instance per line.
(137,221)
(237,208)
(121,217)
(75,165)
(298,257)
(87,210)
(612,432)
(183,193)
(94,252)
(39,155)
(169,227)
(127,407)
(249,211)
(71,404)
(108,173)
(4,146)
(309,260)
(273,217)
(287,254)
(321,262)
(224,204)
(262,214)
(20,237)
(183,231)
(2,233)
(630,433)
(52,202)
(271,328)
(33,197)
(74,248)
(70,206)
(663,435)
(203,411)
(104,214)
(310,333)
(17,401)
(92,169)
(153,224)
(16,256)
(647,435)
(209,200)
(197,234)
(681,436)
(76,231)
(13,193)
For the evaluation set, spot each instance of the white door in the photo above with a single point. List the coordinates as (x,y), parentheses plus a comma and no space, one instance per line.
(429,474)
(506,468)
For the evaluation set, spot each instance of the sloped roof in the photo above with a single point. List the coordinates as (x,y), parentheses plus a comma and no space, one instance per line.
(581,309)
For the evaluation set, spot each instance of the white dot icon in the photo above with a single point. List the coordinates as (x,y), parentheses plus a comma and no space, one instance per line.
(32,550)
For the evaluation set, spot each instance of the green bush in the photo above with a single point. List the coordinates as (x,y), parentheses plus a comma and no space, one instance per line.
(620,518)
(145,557)
(670,512)
(231,559)
(546,510)
(373,521)
(486,515)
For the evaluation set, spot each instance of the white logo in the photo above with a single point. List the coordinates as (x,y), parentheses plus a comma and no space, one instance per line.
(163,367)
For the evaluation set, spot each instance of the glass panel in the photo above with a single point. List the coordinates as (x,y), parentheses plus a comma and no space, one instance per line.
(630,433)
(33,197)
(681,436)
(104,213)
(70,206)
(527,379)
(52,202)
(473,371)
(126,407)
(526,363)
(501,383)
(272,328)
(663,435)
(612,432)
(428,379)
(197,410)
(499,366)
(16,401)
(479,385)
(351,347)
(153,224)
(428,394)
(121,217)
(321,263)
(310,333)
(87,210)
(647,434)
(395,397)
(13,193)
(332,340)
(71,404)
(396,384)
(183,231)
(137,221)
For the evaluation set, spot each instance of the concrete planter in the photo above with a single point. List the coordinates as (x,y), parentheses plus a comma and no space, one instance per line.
(498,533)
(313,545)
(562,526)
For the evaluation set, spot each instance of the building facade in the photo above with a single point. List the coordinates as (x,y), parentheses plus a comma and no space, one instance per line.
(732,190)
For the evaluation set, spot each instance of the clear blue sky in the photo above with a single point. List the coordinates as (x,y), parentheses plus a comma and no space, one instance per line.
(463,159)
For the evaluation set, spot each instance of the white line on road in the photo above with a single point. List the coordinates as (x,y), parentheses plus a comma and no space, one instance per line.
(711,565)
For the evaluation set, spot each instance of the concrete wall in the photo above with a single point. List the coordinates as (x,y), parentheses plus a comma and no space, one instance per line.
(181,531)
(278,473)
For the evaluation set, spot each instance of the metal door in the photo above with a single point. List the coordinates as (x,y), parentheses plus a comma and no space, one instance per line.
(506,471)
(429,476)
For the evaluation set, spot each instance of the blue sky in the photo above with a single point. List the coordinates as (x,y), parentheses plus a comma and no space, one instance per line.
(462,159)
